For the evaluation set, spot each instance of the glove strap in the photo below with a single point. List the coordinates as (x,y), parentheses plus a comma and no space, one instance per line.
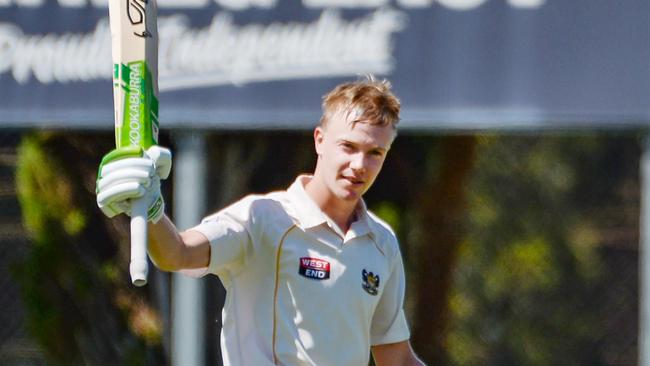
(156,210)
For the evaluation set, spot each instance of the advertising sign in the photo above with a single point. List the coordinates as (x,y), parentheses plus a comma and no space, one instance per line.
(242,64)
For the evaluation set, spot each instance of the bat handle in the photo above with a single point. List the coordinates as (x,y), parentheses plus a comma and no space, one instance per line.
(139,266)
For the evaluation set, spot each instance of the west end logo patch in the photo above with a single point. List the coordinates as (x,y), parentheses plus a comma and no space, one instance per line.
(314,268)
(370,282)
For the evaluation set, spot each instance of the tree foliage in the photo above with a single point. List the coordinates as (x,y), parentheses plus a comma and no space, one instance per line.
(507,242)
(80,305)
(531,279)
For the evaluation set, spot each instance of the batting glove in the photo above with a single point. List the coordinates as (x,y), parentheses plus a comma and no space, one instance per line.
(133,173)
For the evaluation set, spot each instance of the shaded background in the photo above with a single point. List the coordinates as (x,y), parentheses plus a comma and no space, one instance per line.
(513,187)
(519,249)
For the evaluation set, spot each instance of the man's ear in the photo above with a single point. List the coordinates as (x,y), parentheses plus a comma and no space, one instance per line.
(318,140)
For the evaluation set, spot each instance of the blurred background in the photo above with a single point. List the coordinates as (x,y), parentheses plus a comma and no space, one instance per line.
(515,186)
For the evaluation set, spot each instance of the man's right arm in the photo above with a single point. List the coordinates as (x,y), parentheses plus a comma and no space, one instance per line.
(128,174)
(171,250)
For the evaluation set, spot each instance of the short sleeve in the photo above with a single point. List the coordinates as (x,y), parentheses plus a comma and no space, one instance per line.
(228,234)
(389,322)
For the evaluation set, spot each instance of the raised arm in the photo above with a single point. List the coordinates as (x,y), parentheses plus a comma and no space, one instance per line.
(125,175)
(171,250)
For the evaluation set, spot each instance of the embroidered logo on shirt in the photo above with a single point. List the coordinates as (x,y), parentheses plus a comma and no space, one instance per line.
(314,268)
(370,282)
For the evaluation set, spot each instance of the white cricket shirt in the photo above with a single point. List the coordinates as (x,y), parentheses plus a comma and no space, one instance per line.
(299,291)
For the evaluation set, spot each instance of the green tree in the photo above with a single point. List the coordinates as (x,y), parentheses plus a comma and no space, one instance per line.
(531,274)
(80,305)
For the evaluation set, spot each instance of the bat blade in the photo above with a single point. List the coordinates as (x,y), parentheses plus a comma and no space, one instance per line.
(134,37)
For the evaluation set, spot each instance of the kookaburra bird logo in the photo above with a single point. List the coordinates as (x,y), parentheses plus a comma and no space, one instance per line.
(370,282)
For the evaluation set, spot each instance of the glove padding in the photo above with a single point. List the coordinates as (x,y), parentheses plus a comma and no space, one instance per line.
(131,173)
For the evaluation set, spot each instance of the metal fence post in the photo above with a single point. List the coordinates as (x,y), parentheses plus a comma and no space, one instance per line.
(188,340)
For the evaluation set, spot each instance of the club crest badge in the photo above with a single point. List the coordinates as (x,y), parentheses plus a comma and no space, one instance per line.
(370,282)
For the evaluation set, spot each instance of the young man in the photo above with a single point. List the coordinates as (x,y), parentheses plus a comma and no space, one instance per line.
(312,277)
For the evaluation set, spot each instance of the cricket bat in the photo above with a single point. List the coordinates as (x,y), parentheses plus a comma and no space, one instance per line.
(134,36)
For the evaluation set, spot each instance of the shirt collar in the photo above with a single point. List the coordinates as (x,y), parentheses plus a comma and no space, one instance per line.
(310,215)
(360,225)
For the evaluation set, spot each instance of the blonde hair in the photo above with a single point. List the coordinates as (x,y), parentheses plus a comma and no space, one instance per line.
(369,99)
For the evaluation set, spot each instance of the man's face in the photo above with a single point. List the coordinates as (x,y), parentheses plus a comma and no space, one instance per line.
(350,157)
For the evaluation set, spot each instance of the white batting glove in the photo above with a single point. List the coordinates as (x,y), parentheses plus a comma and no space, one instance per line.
(130,173)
